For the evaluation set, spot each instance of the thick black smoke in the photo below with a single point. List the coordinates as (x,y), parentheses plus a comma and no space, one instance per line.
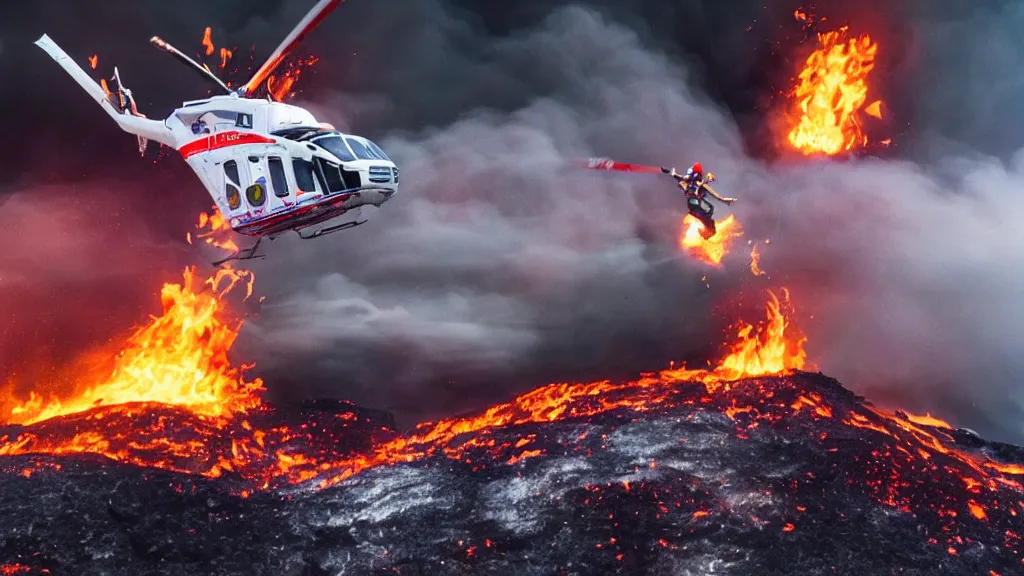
(497,268)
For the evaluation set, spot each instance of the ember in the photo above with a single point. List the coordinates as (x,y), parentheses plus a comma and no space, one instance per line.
(279,85)
(755,261)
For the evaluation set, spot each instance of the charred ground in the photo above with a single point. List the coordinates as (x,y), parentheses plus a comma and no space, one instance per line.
(790,474)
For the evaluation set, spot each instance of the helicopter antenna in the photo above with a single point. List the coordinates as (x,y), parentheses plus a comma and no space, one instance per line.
(311,21)
(202,70)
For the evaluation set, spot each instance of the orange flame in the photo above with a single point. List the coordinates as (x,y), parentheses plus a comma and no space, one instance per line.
(755,262)
(207,41)
(807,19)
(874,109)
(106,89)
(714,249)
(217,231)
(225,55)
(830,93)
(93,61)
(280,86)
(180,358)
(928,420)
(770,348)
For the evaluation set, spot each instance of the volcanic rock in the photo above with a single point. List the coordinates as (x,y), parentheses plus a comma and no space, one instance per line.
(783,475)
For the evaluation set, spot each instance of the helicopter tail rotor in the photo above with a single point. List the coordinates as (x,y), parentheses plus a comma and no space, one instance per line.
(122,100)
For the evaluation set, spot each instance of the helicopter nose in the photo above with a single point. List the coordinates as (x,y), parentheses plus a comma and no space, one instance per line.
(381,174)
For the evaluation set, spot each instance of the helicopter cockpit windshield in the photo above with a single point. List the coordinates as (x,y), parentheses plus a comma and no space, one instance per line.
(365,149)
(335,144)
(349,148)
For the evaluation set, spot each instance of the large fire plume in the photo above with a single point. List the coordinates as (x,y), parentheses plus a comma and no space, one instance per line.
(831,94)
(179,358)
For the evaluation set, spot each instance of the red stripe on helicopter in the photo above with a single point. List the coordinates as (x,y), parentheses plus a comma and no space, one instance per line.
(222,140)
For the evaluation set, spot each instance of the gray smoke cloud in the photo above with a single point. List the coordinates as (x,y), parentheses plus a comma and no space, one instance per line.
(498,268)
(966,90)
(499,261)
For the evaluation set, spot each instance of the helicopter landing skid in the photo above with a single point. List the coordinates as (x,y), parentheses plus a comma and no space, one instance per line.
(244,254)
(326,231)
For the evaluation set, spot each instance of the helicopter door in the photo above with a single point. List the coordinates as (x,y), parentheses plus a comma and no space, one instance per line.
(305,177)
(232,185)
(278,179)
(256,192)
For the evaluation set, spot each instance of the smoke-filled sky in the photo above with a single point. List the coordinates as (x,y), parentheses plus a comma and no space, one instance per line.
(497,268)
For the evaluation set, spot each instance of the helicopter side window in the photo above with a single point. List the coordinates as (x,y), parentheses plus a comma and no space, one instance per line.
(332,174)
(362,152)
(231,185)
(231,171)
(335,145)
(277,176)
(304,178)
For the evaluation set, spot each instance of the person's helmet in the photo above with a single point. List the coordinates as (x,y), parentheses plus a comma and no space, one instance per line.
(697,168)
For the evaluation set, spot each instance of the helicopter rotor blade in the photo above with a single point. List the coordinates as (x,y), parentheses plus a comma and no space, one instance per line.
(202,70)
(304,27)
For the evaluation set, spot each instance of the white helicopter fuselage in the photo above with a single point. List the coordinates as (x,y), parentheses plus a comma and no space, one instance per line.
(271,167)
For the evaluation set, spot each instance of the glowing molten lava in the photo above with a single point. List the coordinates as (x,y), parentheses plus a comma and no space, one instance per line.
(770,349)
(180,361)
(929,420)
(830,95)
(714,249)
(180,358)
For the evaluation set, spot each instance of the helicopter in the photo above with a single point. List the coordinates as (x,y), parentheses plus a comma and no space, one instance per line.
(270,167)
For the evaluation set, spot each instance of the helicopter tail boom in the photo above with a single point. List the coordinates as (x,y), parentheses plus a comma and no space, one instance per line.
(128,119)
(75,71)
